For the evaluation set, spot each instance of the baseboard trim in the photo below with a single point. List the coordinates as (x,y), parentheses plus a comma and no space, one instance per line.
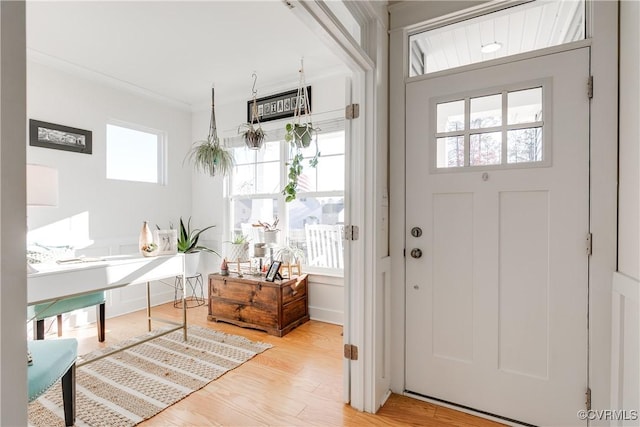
(326,315)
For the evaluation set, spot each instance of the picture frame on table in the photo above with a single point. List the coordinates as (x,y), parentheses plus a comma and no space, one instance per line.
(272,273)
(167,241)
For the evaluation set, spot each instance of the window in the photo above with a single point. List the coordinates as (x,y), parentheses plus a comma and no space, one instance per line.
(134,154)
(518,29)
(494,129)
(312,222)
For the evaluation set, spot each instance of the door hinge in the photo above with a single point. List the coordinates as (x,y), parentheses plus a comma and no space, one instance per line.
(587,401)
(589,242)
(352,111)
(350,352)
(590,87)
(351,232)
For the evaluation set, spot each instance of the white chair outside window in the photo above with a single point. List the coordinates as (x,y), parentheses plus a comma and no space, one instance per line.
(324,245)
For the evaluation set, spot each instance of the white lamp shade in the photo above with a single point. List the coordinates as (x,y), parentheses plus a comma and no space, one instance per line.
(42,186)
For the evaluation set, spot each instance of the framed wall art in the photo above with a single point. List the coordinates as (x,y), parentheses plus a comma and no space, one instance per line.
(59,137)
(278,106)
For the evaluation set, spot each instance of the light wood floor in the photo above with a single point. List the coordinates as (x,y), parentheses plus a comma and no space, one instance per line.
(298,382)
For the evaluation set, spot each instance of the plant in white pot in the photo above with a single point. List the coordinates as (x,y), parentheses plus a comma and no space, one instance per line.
(188,244)
(269,231)
(238,248)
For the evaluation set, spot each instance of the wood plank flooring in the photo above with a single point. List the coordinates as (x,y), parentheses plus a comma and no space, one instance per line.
(296,383)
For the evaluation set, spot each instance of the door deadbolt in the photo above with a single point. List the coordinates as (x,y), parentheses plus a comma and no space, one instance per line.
(416,231)
(416,253)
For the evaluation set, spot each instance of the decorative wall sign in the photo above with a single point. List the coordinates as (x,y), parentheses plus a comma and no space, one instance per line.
(51,135)
(277,106)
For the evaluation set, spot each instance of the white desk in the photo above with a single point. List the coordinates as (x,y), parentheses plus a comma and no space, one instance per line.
(53,282)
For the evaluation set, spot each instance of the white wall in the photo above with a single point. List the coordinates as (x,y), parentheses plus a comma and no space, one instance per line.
(625,353)
(97,215)
(326,296)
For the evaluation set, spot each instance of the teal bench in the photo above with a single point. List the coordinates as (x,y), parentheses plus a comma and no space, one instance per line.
(39,312)
(54,360)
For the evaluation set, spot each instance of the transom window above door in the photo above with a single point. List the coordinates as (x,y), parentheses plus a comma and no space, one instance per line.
(502,128)
(515,29)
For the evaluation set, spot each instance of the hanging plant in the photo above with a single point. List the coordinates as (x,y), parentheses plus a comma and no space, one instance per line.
(253,136)
(299,134)
(208,155)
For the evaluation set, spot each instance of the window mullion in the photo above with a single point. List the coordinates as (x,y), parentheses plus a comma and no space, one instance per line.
(505,107)
(467,131)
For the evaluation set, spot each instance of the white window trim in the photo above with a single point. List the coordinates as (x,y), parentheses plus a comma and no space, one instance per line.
(546,125)
(281,204)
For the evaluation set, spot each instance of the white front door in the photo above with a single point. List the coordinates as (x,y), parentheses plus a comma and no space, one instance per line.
(497,178)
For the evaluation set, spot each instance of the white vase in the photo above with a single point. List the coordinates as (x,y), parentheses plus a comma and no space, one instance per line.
(145,239)
(191,262)
(271,237)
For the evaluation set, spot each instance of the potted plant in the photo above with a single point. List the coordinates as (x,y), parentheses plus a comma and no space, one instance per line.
(270,231)
(299,134)
(238,248)
(188,245)
(208,155)
(253,137)
(290,254)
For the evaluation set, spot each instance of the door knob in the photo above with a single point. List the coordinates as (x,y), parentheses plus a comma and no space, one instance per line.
(416,231)
(416,253)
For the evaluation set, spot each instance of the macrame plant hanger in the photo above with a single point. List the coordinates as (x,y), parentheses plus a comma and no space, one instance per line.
(303,109)
(299,134)
(254,137)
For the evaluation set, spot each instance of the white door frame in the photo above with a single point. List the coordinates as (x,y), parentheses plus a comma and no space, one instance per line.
(363,272)
(602,28)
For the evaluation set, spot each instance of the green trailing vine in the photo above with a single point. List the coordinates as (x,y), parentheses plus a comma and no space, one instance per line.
(295,170)
(299,134)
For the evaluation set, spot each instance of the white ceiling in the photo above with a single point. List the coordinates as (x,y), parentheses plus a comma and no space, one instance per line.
(177,49)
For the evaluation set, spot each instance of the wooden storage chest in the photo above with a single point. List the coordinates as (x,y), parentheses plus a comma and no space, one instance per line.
(274,307)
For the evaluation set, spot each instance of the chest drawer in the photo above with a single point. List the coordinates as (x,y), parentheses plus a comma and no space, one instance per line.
(294,291)
(248,293)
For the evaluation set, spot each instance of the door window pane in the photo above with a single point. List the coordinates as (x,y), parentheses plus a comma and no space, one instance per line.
(524,106)
(450,116)
(450,152)
(486,111)
(524,145)
(485,149)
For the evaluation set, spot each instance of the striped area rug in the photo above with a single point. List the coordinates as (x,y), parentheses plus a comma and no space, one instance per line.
(134,385)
